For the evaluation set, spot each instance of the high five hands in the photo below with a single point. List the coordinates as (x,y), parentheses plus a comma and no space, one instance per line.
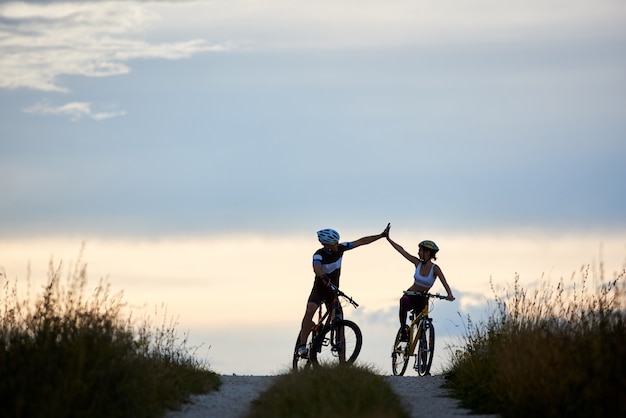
(386,231)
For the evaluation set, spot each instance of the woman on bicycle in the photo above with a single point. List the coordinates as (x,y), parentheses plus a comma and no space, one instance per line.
(426,272)
(327,268)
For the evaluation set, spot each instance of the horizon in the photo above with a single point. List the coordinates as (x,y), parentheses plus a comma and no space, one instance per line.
(224,309)
(195,147)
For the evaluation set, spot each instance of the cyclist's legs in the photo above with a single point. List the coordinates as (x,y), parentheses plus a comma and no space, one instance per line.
(407,303)
(313,303)
(307,321)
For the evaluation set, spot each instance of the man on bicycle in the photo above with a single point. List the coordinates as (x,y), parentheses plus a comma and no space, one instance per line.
(327,269)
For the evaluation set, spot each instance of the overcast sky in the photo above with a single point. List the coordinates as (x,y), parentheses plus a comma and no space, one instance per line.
(163,132)
(144,118)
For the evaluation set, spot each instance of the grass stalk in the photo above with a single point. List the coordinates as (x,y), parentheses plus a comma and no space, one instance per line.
(557,351)
(68,355)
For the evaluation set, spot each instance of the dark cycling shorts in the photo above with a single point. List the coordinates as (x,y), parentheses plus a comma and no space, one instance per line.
(321,294)
(415,302)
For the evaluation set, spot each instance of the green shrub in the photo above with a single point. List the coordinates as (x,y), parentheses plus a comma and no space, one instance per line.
(552,354)
(340,391)
(65,355)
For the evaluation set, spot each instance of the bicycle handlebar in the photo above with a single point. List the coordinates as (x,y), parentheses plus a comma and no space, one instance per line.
(338,292)
(428,295)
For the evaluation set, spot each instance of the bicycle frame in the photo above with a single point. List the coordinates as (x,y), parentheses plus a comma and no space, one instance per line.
(417,320)
(320,318)
(333,312)
(421,340)
(328,335)
(330,313)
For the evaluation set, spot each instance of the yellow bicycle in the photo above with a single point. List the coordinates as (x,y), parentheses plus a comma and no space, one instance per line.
(421,337)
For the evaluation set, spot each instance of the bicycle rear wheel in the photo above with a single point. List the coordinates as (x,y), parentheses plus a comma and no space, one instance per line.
(337,344)
(425,348)
(302,362)
(399,355)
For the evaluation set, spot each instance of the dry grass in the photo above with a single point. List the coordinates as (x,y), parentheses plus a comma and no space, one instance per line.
(558,351)
(67,355)
(340,391)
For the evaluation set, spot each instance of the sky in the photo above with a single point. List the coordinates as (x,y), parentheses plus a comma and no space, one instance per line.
(194,148)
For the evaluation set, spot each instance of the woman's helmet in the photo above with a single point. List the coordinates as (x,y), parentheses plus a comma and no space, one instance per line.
(429,245)
(328,236)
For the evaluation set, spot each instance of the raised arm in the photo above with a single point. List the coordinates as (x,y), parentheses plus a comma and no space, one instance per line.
(371,238)
(398,247)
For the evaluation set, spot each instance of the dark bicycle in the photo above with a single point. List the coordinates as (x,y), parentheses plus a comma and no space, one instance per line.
(333,339)
(421,337)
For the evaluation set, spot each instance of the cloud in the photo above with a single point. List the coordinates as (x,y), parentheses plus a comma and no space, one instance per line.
(39,43)
(75,110)
(376,24)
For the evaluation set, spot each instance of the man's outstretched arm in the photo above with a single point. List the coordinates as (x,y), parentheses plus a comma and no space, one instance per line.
(371,238)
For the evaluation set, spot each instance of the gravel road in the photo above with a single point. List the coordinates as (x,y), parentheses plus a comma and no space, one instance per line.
(423,397)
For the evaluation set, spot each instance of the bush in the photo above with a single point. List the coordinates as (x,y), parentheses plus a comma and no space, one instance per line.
(346,391)
(69,356)
(556,353)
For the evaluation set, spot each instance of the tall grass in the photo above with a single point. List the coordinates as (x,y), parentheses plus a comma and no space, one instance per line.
(67,355)
(339,391)
(558,351)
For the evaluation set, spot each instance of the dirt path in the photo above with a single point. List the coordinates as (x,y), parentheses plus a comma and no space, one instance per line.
(423,397)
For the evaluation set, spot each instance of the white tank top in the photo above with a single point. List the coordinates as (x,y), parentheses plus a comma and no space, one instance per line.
(424,281)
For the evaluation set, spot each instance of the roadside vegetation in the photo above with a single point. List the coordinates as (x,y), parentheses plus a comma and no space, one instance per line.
(559,351)
(339,391)
(67,355)
(552,352)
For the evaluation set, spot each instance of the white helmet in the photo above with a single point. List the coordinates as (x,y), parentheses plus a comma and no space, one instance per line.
(328,236)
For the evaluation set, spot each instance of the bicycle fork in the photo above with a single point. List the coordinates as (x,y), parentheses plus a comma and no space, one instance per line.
(423,348)
(336,332)
(336,340)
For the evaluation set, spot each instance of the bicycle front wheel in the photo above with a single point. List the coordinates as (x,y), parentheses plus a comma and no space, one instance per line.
(340,343)
(425,348)
(399,355)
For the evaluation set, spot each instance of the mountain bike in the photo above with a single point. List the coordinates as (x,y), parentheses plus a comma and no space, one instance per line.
(421,337)
(333,339)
